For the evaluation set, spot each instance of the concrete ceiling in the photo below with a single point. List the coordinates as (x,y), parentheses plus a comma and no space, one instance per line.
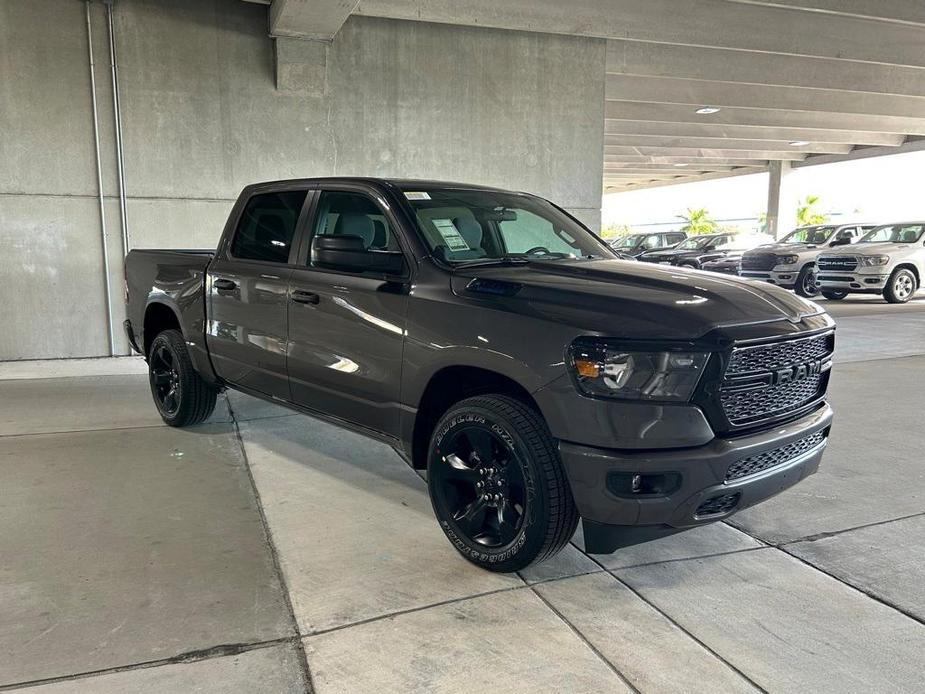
(808,81)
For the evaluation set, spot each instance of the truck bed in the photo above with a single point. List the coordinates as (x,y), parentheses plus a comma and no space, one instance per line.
(176,277)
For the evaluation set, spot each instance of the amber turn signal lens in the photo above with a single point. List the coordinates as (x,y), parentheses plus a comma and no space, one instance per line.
(587,368)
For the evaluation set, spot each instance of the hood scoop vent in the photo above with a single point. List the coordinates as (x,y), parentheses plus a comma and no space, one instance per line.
(481,285)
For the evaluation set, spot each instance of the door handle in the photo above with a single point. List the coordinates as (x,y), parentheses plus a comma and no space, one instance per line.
(224,285)
(301,297)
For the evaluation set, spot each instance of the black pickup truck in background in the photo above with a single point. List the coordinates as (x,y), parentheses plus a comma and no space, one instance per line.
(494,341)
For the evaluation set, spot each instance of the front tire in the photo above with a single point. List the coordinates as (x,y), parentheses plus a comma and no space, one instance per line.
(834,294)
(181,395)
(806,283)
(900,287)
(497,486)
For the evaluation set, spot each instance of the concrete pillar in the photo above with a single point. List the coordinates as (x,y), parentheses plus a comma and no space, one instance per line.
(782,199)
(301,65)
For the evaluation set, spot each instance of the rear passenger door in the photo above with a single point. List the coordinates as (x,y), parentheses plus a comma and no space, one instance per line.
(346,329)
(247,292)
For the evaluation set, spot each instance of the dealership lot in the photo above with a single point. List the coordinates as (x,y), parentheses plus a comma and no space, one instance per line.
(168,579)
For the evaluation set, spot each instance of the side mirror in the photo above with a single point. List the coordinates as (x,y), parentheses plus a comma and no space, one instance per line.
(350,254)
(843,241)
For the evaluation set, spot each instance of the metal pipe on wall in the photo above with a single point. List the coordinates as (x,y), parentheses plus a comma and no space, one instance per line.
(117,116)
(99,182)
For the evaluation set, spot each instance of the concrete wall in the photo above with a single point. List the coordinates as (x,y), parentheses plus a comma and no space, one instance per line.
(203,116)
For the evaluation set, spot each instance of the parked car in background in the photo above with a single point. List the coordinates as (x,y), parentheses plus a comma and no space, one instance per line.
(791,262)
(727,265)
(696,250)
(889,260)
(636,244)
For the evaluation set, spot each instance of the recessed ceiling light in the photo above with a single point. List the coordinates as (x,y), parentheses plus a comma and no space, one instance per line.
(799,143)
(707,110)
(680,165)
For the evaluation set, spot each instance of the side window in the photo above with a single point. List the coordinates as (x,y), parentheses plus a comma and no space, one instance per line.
(676,238)
(653,241)
(267,226)
(354,214)
(848,233)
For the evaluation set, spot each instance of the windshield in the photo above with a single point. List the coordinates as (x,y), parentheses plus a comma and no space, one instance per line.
(695,243)
(895,233)
(630,241)
(810,235)
(462,226)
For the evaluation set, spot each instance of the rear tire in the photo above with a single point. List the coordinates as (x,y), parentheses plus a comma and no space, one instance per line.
(834,294)
(806,283)
(497,486)
(901,286)
(181,395)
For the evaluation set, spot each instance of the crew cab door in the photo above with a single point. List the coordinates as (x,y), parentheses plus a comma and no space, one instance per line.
(247,290)
(346,328)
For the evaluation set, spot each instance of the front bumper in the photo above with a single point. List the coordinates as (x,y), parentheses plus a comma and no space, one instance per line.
(786,278)
(702,494)
(871,280)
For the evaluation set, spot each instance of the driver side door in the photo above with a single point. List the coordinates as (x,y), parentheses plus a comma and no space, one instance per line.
(346,329)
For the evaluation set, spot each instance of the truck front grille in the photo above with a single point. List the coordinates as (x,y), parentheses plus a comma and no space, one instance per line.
(837,263)
(718,505)
(760,462)
(758,261)
(767,382)
(746,360)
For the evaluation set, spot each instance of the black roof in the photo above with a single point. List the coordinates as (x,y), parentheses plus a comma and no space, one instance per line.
(403,184)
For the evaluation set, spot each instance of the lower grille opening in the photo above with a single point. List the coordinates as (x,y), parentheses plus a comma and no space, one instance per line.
(718,505)
(760,462)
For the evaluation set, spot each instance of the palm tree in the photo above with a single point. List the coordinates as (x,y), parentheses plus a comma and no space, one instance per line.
(697,221)
(806,214)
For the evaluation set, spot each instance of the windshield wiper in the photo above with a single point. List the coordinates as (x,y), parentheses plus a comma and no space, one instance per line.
(507,260)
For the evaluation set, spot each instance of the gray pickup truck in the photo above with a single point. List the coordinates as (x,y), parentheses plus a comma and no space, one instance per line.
(494,341)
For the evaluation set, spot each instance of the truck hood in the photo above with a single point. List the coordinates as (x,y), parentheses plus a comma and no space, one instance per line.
(629,299)
(786,248)
(885,248)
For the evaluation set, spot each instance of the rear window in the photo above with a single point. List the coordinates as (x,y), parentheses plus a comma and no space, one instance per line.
(267,226)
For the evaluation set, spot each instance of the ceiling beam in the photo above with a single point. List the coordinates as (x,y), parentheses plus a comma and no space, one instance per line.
(727,144)
(629,160)
(750,132)
(668,90)
(912,145)
(803,120)
(747,67)
(716,23)
(319,20)
(642,185)
(883,10)
(710,153)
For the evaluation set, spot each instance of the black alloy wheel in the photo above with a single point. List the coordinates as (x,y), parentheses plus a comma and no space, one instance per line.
(182,396)
(481,485)
(165,379)
(497,483)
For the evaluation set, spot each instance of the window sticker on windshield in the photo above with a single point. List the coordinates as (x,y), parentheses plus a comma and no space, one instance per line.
(416,195)
(450,234)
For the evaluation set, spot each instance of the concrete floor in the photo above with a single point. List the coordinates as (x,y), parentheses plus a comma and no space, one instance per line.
(268,552)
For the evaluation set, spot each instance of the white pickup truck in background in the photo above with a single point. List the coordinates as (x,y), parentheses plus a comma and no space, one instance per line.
(890,260)
(791,262)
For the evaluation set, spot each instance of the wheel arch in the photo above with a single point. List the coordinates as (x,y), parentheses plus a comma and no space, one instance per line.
(159,316)
(449,385)
(913,268)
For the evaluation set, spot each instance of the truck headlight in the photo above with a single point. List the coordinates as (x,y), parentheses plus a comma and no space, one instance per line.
(787,259)
(875,260)
(607,369)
